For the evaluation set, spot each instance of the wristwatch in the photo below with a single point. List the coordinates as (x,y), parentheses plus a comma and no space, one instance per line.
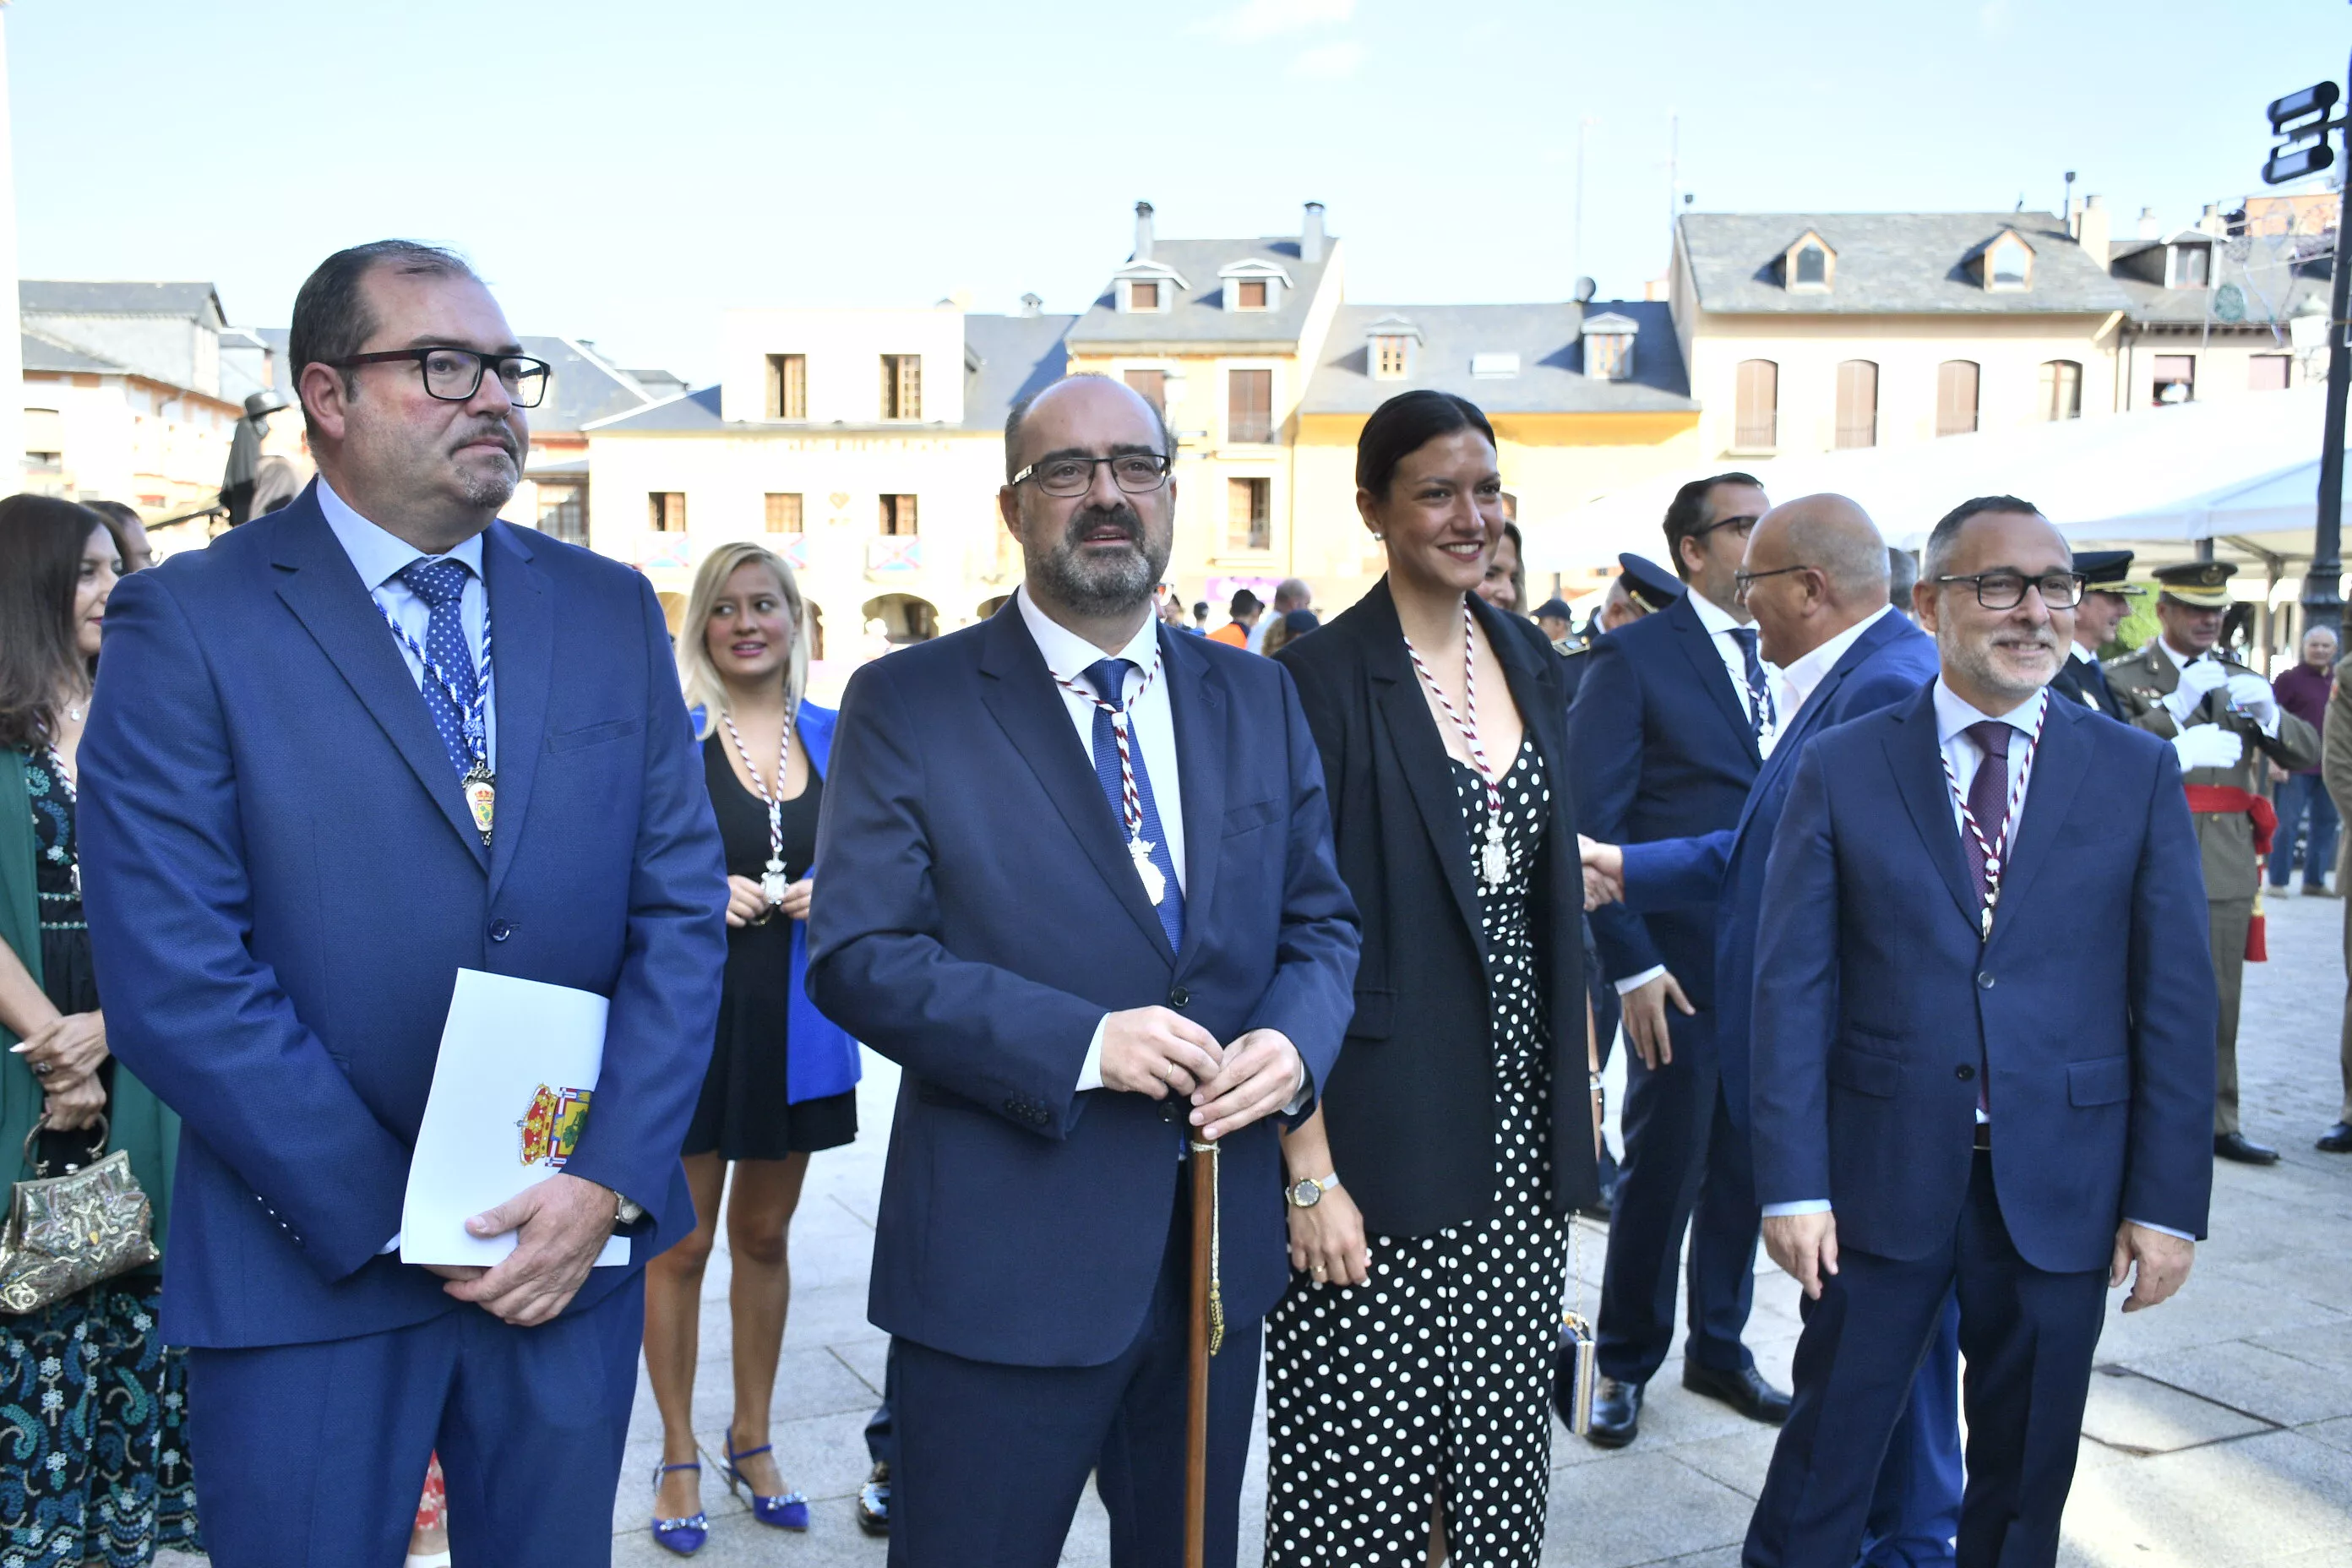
(625,1212)
(1308,1192)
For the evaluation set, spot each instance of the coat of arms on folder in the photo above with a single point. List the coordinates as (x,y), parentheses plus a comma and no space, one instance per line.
(551,1128)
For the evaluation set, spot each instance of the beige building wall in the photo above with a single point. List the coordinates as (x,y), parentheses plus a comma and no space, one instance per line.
(2010,352)
(158,448)
(2222,364)
(844,349)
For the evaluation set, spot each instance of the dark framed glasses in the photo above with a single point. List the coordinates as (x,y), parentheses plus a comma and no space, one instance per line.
(1743,581)
(453,376)
(2006,590)
(1137,473)
(1746,526)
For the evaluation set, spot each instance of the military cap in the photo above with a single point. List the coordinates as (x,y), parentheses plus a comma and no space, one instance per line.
(1647,581)
(2200,584)
(1555,610)
(2107,571)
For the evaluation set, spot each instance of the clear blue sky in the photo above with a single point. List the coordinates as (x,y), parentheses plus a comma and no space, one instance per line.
(623,172)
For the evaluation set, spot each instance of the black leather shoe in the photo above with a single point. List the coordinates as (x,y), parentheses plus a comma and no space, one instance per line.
(874,1502)
(2337,1140)
(2245,1151)
(1616,1414)
(1745,1391)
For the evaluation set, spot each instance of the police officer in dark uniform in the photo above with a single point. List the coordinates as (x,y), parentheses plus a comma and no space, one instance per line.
(2107,593)
(2225,723)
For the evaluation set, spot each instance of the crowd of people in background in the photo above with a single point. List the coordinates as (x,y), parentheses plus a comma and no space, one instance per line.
(1877,862)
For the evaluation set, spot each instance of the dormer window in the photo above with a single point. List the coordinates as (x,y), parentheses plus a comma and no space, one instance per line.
(1810,266)
(1147,287)
(1254,285)
(1608,346)
(1143,295)
(1394,344)
(2008,264)
(2188,264)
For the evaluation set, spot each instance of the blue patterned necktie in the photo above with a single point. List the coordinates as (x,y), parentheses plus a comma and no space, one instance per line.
(1761,714)
(442,585)
(1108,677)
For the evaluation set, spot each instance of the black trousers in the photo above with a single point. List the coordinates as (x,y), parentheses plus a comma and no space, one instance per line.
(1686,1164)
(2028,1337)
(992,1459)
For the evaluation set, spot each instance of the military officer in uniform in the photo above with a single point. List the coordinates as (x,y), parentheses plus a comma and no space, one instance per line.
(2107,593)
(2224,722)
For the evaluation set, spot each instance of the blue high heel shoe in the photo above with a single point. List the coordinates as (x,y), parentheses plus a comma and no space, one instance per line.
(683,1536)
(789,1511)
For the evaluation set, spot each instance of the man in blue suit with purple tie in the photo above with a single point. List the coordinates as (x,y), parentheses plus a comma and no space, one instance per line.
(1815,578)
(1983,1065)
(348,750)
(1080,886)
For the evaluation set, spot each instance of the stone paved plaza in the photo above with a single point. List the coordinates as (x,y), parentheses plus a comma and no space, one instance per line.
(2219,1430)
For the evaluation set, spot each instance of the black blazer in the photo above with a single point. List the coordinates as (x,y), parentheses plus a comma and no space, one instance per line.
(1411,1106)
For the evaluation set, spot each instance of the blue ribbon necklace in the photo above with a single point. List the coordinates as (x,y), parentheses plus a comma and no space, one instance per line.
(480,784)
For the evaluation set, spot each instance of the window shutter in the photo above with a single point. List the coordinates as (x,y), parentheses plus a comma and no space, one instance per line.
(1757,416)
(1857,404)
(1955,398)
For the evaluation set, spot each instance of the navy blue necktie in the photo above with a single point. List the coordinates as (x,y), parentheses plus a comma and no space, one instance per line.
(1108,677)
(1759,690)
(442,585)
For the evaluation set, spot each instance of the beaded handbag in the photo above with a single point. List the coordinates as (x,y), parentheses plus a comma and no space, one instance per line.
(65,1233)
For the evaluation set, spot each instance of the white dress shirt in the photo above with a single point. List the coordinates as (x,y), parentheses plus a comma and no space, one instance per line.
(1801,677)
(2085,655)
(1150,722)
(1954,715)
(379,558)
(1719,623)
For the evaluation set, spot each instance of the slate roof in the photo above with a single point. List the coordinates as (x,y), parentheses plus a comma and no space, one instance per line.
(1199,315)
(585,387)
(1889,264)
(2270,294)
(45,353)
(1006,358)
(1550,379)
(72,298)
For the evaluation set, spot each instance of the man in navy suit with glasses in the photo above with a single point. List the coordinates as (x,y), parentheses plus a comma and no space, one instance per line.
(1081,887)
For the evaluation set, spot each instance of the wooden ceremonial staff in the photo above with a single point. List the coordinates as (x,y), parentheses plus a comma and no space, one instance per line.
(1208,1334)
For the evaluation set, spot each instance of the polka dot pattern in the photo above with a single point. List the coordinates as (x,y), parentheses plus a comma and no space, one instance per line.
(1432,1379)
(441,584)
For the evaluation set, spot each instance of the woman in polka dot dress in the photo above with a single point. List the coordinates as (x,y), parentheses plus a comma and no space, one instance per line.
(1408,1365)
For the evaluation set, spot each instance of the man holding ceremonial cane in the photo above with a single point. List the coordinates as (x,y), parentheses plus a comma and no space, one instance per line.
(1081,887)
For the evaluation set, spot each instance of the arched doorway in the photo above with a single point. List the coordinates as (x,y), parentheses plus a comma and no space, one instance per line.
(673,605)
(904,618)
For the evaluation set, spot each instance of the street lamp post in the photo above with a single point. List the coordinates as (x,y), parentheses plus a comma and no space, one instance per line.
(2304,119)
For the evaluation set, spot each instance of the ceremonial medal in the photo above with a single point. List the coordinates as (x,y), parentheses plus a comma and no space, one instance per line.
(481,791)
(773,882)
(1155,885)
(1494,855)
(1992,847)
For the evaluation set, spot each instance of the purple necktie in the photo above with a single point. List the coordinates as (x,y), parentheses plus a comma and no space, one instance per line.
(1989,804)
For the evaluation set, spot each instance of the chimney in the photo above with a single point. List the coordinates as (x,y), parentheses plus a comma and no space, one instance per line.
(2211,222)
(1311,234)
(2092,229)
(1143,232)
(1031,304)
(2148,229)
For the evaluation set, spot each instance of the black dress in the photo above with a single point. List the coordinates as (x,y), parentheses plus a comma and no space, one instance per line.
(746,1113)
(1432,1379)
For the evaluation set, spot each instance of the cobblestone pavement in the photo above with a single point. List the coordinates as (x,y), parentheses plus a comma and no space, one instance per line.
(2219,1431)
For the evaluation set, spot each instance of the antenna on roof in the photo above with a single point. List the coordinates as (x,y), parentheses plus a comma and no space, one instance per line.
(1585,289)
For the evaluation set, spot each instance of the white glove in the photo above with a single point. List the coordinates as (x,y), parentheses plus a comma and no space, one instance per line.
(2252,696)
(2197,678)
(2208,746)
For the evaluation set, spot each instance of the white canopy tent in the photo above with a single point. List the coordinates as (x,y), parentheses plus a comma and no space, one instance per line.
(2241,471)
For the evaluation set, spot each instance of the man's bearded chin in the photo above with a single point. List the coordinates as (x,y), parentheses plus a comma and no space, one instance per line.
(1110,584)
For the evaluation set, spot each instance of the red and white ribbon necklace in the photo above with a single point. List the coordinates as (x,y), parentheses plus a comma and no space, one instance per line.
(771,880)
(1155,884)
(1494,855)
(1996,850)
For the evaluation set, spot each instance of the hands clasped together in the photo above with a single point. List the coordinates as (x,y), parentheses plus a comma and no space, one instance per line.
(64,1054)
(1157,1051)
(747,904)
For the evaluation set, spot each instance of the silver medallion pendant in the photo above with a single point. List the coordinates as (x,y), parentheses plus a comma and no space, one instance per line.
(1495,857)
(1155,884)
(772,883)
(480,788)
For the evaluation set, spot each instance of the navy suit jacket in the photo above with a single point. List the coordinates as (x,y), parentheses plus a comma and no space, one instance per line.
(980,916)
(1889,661)
(283,882)
(1660,743)
(2093,1005)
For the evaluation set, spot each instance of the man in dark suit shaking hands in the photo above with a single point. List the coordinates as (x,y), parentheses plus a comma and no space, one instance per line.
(1081,887)
(317,786)
(1982,1010)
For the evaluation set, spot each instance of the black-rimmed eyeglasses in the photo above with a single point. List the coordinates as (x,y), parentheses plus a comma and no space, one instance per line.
(1745,525)
(2006,590)
(1137,473)
(454,375)
(1743,581)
